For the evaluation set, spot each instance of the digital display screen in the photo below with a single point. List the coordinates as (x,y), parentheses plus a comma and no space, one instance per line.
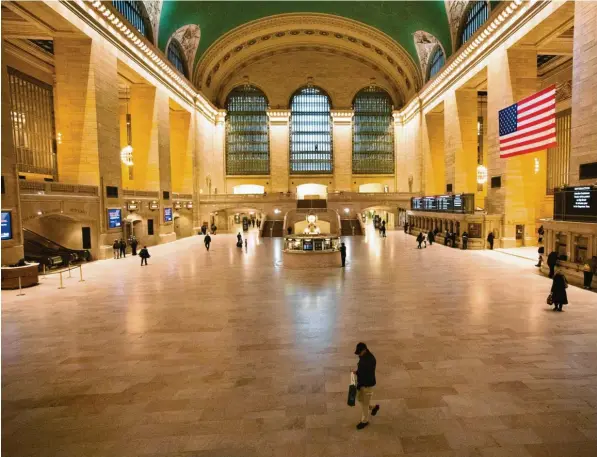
(445,203)
(460,203)
(167,214)
(307,245)
(114,218)
(6,225)
(429,204)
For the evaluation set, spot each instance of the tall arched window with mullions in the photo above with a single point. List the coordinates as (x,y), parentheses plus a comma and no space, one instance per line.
(135,13)
(247,132)
(372,134)
(176,56)
(310,132)
(436,62)
(476,15)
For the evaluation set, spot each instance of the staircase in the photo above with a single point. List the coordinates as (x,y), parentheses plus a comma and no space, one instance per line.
(272,229)
(347,226)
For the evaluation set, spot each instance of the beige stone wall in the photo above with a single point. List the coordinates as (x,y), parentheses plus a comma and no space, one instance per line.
(408,156)
(181,142)
(279,146)
(432,151)
(584,95)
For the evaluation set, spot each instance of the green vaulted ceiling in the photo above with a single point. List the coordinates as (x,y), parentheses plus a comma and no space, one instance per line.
(398,19)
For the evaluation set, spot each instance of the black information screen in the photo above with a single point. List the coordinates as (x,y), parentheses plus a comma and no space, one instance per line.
(445,203)
(578,204)
(430,204)
(417,203)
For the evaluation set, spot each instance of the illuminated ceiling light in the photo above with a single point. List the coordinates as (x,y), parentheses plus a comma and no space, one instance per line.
(347,210)
(96,4)
(126,155)
(481,174)
(518,2)
(277,211)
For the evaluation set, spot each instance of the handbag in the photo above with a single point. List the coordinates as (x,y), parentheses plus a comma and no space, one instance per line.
(550,299)
(352,390)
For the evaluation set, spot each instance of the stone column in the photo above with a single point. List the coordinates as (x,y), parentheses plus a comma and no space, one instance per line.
(584,90)
(219,154)
(12,250)
(342,138)
(87,117)
(512,76)
(279,134)
(460,114)
(162,100)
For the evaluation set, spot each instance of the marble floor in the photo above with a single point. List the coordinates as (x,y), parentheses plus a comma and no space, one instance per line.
(228,354)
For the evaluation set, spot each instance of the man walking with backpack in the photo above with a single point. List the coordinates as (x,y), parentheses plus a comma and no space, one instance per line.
(365,383)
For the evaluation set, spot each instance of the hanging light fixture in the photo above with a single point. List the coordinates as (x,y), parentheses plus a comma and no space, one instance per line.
(481,174)
(126,153)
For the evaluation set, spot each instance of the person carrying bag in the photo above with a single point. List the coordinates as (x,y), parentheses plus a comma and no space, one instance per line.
(352,390)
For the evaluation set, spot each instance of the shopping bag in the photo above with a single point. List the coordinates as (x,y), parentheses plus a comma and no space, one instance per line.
(550,299)
(352,390)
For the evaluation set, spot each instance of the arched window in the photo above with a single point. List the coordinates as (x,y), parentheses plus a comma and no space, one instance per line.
(176,56)
(310,132)
(372,132)
(476,15)
(436,62)
(134,12)
(247,132)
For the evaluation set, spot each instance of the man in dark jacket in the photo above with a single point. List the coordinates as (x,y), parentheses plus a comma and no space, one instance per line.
(552,261)
(365,383)
(207,241)
(343,254)
(122,248)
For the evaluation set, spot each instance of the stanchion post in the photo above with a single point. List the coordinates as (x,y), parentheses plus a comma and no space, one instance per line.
(81,273)
(61,286)
(43,268)
(20,291)
(69,270)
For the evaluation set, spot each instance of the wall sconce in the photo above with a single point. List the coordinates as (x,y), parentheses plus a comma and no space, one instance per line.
(536,165)
(277,211)
(347,210)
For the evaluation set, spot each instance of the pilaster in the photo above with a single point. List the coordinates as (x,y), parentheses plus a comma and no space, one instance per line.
(12,250)
(342,142)
(584,93)
(279,134)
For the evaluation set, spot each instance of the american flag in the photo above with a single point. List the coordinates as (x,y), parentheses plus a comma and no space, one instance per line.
(529,125)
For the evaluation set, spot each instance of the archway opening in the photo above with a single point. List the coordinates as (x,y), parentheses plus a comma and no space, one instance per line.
(245,189)
(311,191)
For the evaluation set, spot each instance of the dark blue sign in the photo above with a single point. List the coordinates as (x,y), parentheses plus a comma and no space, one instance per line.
(167,214)
(6,225)
(114,218)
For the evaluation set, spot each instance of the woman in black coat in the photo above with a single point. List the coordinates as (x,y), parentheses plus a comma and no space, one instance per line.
(558,291)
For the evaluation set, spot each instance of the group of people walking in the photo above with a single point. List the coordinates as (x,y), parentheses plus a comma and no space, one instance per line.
(449,238)
(119,249)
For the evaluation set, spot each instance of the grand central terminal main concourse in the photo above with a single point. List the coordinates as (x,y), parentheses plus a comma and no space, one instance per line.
(299,228)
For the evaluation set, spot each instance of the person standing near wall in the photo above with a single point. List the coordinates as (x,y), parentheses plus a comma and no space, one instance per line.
(552,261)
(134,244)
(490,239)
(116,249)
(122,248)
(589,270)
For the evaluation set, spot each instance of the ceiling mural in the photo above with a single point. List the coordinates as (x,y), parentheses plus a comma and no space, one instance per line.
(455,9)
(425,43)
(154,11)
(188,36)
(397,20)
